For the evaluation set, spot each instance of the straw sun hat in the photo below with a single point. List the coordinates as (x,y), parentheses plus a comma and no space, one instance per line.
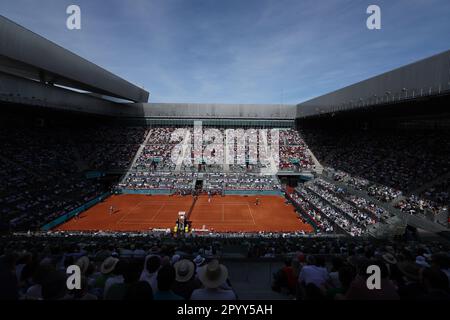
(213,275)
(108,265)
(184,270)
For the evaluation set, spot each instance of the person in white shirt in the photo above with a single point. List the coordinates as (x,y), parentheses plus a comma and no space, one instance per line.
(109,267)
(150,272)
(311,273)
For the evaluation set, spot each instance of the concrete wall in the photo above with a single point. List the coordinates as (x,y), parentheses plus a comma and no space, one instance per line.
(430,76)
(23,91)
(19,90)
(191,110)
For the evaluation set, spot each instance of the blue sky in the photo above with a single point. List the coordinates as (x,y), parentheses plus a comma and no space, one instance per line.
(241,51)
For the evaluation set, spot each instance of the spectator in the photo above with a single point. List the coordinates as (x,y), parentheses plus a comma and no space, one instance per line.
(213,276)
(83,293)
(185,282)
(441,261)
(8,280)
(285,278)
(312,273)
(337,264)
(54,286)
(130,272)
(165,279)
(111,273)
(83,263)
(409,286)
(116,279)
(345,278)
(199,261)
(313,292)
(422,262)
(436,284)
(359,290)
(140,290)
(151,266)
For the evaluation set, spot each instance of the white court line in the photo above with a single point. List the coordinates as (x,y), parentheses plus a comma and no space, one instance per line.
(223,221)
(218,204)
(218,222)
(145,220)
(143,202)
(250,210)
(129,211)
(157,202)
(157,212)
(149,222)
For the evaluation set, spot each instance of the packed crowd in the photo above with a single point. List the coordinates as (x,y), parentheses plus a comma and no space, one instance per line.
(412,204)
(154,162)
(438,193)
(294,153)
(376,212)
(340,218)
(400,159)
(416,205)
(239,181)
(145,267)
(389,163)
(380,192)
(146,180)
(131,269)
(157,153)
(109,147)
(212,182)
(44,170)
(312,215)
(319,200)
(360,217)
(33,158)
(413,272)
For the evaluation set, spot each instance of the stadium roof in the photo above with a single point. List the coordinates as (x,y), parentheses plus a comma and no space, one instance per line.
(424,78)
(26,54)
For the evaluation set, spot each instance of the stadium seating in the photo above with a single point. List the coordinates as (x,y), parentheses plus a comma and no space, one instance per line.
(389,164)
(108,261)
(45,169)
(155,156)
(44,174)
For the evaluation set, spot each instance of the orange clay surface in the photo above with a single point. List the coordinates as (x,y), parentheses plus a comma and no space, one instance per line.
(222,214)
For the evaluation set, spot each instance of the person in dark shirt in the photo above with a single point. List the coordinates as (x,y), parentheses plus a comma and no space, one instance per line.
(409,286)
(132,287)
(285,278)
(165,279)
(9,287)
(436,285)
(359,291)
(185,282)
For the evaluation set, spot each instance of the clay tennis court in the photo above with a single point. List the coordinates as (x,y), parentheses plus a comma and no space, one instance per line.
(223,214)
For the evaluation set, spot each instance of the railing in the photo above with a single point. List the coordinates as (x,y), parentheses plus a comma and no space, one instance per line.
(145,191)
(304,213)
(253,192)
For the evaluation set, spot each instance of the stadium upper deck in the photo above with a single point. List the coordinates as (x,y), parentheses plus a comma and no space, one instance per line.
(118,149)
